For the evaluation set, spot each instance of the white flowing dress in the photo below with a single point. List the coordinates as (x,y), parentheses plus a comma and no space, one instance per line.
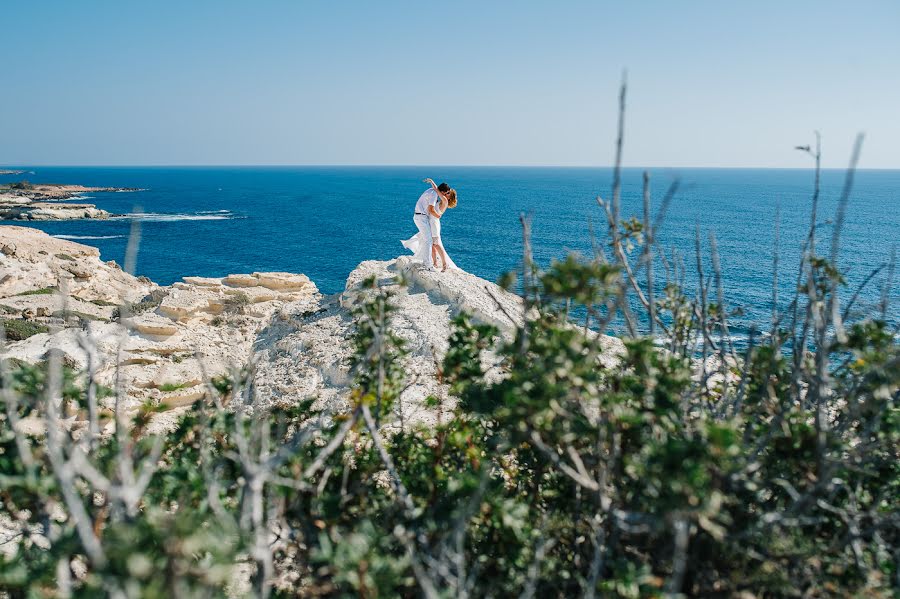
(429,230)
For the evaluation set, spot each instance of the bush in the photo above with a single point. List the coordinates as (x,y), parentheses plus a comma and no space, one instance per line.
(561,477)
(235,304)
(147,303)
(43,291)
(169,387)
(17,330)
(103,303)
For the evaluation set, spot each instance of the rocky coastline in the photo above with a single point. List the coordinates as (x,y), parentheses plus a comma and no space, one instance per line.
(48,201)
(166,343)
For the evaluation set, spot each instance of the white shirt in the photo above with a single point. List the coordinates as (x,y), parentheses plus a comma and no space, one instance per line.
(429,198)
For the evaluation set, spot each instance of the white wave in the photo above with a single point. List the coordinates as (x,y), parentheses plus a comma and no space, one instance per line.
(155,217)
(88,236)
(81,198)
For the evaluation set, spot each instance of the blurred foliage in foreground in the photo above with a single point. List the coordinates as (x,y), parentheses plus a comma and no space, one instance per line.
(562,477)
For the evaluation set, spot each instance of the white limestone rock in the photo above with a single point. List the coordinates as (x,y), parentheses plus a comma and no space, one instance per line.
(182,397)
(255,295)
(182,304)
(203,281)
(241,281)
(484,301)
(48,304)
(300,340)
(310,358)
(154,326)
(34,260)
(282,281)
(164,356)
(307,354)
(184,374)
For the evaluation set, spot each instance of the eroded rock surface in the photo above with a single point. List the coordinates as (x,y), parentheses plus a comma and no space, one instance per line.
(164,346)
(31,260)
(308,354)
(168,345)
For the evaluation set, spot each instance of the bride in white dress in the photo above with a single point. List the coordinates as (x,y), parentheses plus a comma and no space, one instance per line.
(427,245)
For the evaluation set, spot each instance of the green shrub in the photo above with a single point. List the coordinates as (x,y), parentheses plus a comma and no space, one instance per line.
(148,303)
(43,291)
(17,329)
(169,387)
(560,476)
(103,303)
(236,303)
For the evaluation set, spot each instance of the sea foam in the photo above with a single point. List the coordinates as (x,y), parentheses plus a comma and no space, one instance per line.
(73,237)
(158,217)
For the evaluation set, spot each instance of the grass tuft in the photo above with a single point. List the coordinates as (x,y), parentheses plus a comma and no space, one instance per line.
(42,291)
(19,330)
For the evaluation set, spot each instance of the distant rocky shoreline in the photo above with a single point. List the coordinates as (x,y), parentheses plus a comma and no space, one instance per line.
(43,201)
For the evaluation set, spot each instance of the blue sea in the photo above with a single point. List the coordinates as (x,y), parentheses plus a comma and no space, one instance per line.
(322,221)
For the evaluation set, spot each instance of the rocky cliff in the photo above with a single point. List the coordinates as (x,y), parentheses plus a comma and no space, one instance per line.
(166,343)
(307,353)
(161,345)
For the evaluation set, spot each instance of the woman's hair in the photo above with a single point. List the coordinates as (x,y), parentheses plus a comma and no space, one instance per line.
(451,198)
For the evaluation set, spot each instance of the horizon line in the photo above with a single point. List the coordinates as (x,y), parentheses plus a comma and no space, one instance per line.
(522,166)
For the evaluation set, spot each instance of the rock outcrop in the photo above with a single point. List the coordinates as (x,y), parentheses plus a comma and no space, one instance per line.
(169,342)
(163,343)
(307,353)
(28,210)
(31,260)
(45,202)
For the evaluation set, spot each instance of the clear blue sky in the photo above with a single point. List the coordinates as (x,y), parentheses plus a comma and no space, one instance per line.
(715,83)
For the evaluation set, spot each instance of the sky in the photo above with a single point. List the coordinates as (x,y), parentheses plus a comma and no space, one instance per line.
(217,82)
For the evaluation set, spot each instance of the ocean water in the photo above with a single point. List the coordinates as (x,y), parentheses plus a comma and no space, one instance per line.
(322,221)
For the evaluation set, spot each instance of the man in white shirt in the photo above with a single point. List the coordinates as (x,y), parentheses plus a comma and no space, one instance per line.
(425,207)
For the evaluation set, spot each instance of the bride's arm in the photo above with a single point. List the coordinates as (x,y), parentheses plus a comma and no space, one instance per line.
(431,181)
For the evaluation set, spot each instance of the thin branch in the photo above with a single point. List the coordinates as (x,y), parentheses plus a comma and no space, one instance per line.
(582,479)
(332,445)
(648,255)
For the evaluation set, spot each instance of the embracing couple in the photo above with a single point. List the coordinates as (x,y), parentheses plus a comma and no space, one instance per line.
(426,244)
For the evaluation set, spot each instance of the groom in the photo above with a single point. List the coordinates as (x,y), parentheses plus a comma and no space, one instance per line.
(425,207)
